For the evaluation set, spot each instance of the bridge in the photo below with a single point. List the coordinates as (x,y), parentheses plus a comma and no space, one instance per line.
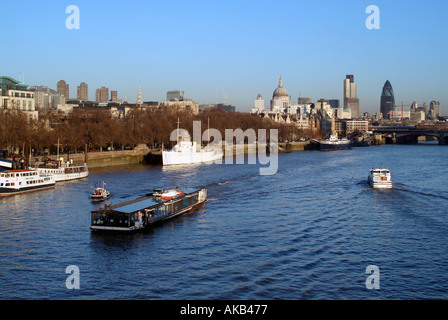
(410,134)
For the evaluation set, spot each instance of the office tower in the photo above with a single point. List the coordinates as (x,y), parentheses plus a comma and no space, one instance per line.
(102,95)
(259,103)
(350,96)
(175,95)
(434,108)
(83,91)
(114,96)
(334,103)
(63,88)
(304,100)
(387,99)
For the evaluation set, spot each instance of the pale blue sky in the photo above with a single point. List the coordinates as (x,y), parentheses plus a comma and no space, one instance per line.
(239,47)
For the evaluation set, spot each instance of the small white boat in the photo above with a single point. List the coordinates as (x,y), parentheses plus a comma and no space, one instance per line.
(380,179)
(100,193)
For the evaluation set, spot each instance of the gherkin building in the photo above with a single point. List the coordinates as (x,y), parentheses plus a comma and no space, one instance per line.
(387,100)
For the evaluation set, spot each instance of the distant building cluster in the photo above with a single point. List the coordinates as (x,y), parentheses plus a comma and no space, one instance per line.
(330,115)
(19,96)
(416,113)
(308,115)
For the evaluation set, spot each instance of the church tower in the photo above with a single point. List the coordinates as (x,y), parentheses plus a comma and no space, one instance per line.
(139,97)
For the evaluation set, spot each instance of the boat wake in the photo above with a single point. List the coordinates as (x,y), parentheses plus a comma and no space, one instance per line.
(402,187)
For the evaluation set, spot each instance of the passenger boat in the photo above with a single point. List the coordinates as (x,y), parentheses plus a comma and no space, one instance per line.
(141,213)
(14,182)
(185,152)
(380,179)
(100,193)
(333,143)
(62,171)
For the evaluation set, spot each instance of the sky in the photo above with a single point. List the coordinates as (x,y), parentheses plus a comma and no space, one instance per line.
(213,49)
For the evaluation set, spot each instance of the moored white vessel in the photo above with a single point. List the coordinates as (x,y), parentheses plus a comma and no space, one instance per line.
(185,152)
(20,181)
(380,179)
(333,143)
(62,171)
(188,152)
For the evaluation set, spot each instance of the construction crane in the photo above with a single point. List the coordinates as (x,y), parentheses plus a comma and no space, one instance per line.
(402,110)
(226,97)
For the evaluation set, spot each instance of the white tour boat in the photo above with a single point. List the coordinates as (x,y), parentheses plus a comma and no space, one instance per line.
(62,171)
(380,179)
(20,181)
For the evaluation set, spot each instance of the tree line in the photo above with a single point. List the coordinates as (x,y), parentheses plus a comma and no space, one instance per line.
(92,130)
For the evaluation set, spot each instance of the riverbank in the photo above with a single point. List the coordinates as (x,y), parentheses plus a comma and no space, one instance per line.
(143,154)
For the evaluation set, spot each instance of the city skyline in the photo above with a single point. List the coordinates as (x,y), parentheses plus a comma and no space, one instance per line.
(239,50)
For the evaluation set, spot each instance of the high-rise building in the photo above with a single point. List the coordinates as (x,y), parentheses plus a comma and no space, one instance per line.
(434,109)
(175,95)
(102,95)
(334,103)
(63,88)
(114,96)
(83,91)
(351,100)
(387,99)
(259,103)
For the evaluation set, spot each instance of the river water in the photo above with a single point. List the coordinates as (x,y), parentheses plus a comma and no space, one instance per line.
(307,232)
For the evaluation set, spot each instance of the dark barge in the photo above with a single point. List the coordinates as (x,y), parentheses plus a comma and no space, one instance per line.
(141,213)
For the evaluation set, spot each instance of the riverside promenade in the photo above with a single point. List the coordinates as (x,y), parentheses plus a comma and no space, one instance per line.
(107,158)
(142,153)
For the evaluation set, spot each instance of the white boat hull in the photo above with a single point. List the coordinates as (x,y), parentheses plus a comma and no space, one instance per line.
(380,179)
(381,185)
(177,158)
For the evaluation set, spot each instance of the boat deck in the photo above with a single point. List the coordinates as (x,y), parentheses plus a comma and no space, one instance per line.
(142,203)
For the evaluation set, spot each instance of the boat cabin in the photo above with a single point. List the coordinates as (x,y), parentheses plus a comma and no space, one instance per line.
(140,213)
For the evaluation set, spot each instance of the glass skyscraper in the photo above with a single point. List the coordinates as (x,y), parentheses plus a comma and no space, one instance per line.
(387,99)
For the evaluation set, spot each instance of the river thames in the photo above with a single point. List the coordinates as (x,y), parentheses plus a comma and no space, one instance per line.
(306,233)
